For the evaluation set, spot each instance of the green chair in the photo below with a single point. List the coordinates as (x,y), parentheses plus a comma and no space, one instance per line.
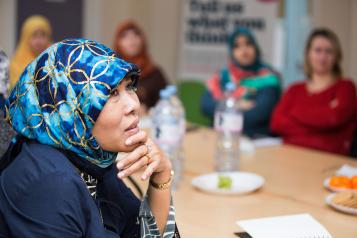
(190,92)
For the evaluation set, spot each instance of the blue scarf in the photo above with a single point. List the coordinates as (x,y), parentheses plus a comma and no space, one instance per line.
(257,64)
(60,94)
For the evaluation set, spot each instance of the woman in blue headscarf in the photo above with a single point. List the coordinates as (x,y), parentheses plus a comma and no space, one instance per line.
(257,85)
(74,108)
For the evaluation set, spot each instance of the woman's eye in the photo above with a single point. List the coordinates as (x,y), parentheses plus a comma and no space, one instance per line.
(131,87)
(115,92)
(318,50)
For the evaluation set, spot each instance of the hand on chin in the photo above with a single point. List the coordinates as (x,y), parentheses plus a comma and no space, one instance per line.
(132,141)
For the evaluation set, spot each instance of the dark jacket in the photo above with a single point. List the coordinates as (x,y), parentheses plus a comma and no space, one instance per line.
(43,195)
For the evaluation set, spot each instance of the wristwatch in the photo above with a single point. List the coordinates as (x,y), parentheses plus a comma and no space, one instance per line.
(163,186)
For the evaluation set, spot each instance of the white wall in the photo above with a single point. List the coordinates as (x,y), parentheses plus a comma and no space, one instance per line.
(341,17)
(158,18)
(352,59)
(7,26)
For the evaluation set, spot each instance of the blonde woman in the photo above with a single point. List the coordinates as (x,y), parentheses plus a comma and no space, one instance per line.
(319,112)
(36,36)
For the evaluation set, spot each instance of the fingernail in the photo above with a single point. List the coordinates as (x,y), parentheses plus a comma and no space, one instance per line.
(143,177)
(121,174)
(128,142)
(119,165)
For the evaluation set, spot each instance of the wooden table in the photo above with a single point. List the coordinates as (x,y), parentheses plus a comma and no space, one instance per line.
(294,184)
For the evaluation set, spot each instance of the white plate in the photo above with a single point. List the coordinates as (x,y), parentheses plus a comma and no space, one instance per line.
(340,208)
(242,183)
(327,185)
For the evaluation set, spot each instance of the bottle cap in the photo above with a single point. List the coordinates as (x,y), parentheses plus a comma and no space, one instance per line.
(164,93)
(230,86)
(172,89)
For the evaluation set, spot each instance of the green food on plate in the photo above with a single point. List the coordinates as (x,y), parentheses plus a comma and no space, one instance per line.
(224,182)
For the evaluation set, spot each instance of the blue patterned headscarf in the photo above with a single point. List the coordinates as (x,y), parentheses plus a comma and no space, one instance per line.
(60,94)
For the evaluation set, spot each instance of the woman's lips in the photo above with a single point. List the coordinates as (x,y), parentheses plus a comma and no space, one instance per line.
(132,131)
(133,128)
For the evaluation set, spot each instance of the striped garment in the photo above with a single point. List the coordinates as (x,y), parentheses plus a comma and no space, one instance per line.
(148,224)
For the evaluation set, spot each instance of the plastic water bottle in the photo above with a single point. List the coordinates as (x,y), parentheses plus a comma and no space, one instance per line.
(175,101)
(178,161)
(228,124)
(167,131)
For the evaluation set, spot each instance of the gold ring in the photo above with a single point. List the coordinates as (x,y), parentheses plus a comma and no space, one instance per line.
(149,158)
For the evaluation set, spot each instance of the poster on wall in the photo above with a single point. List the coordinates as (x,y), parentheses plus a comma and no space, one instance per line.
(206,24)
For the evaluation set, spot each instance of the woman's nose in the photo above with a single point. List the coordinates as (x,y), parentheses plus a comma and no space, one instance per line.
(132,104)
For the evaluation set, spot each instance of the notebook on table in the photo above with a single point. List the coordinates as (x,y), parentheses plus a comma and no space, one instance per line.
(294,226)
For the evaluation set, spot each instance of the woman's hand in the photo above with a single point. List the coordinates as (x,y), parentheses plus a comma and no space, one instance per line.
(246,104)
(146,155)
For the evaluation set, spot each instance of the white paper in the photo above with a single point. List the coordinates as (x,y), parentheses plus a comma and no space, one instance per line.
(294,226)
(246,145)
(267,141)
(347,170)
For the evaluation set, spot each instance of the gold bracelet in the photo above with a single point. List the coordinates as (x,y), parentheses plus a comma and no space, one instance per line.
(163,186)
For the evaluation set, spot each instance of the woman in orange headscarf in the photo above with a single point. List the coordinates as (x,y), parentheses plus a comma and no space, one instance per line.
(35,37)
(130,44)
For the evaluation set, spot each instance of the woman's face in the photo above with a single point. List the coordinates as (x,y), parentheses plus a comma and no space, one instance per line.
(130,42)
(39,41)
(321,55)
(119,118)
(243,51)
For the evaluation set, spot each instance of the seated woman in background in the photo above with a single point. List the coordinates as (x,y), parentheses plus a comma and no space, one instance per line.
(258,87)
(35,37)
(74,108)
(131,45)
(319,113)
(4,78)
